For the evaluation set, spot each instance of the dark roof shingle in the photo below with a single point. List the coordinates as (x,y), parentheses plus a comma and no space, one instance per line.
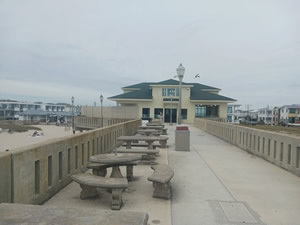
(145,91)
(139,94)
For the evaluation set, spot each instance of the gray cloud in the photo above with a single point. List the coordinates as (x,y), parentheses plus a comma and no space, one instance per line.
(250,49)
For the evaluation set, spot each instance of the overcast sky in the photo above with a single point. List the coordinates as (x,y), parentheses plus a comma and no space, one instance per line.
(51,50)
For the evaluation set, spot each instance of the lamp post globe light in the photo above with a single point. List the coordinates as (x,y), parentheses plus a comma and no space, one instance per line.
(73,127)
(101,101)
(180,72)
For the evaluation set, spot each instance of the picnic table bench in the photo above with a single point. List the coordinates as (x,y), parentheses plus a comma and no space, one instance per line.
(13,213)
(149,139)
(89,183)
(133,144)
(155,124)
(150,132)
(147,154)
(161,128)
(100,169)
(161,181)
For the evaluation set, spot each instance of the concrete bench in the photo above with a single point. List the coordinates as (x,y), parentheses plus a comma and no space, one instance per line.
(13,213)
(143,145)
(149,139)
(147,154)
(159,128)
(150,132)
(161,181)
(155,124)
(101,169)
(89,183)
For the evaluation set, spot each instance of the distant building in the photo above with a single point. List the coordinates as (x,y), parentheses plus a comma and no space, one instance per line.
(289,114)
(265,115)
(36,111)
(233,113)
(253,117)
(275,116)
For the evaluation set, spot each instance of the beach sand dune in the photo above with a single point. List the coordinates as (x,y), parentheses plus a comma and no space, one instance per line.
(16,140)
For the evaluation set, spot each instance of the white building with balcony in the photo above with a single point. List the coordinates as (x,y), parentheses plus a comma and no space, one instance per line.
(290,114)
(265,115)
(33,111)
(233,113)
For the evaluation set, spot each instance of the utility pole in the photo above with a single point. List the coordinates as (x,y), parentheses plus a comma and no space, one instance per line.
(171,121)
(267,114)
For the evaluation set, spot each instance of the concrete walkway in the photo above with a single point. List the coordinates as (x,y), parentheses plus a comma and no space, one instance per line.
(214,184)
(218,183)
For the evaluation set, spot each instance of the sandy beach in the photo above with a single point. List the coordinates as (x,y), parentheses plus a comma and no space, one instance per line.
(15,140)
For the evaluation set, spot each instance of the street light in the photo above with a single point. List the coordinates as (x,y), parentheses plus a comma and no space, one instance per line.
(171,121)
(73,127)
(101,101)
(180,72)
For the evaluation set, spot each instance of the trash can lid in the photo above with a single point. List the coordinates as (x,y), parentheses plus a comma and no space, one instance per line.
(182,128)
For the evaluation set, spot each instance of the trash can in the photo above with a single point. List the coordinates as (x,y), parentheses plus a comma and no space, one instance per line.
(182,138)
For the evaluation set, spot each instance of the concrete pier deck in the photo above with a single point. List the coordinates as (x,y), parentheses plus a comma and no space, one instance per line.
(214,183)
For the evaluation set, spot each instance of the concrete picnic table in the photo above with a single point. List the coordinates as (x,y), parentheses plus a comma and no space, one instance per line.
(148,139)
(115,160)
(149,132)
(11,213)
(155,124)
(151,127)
(161,128)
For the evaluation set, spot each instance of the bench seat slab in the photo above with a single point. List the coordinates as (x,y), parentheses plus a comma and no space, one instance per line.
(100,182)
(89,183)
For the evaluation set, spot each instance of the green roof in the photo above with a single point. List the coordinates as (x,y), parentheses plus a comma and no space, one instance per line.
(197,94)
(140,85)
(176,82)
(145,91)
(139,94)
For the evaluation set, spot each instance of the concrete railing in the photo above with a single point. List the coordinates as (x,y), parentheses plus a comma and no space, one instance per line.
(82,122)
(280,149)
(35,173)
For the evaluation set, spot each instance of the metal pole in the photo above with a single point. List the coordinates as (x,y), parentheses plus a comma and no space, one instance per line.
(179,110)
(171,121)
(101,113)
(73,127)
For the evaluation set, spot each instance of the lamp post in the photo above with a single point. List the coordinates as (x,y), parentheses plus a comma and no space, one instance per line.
(171,121)
(180,72)
(101,101)
(73,127)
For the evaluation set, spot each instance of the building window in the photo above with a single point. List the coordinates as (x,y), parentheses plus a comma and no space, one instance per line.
(157,113)
(146,113)
(200,111)
(292,110)
(171,92)
(229,119)
(229,109)
(184,114)
(291,119)
(206,111)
